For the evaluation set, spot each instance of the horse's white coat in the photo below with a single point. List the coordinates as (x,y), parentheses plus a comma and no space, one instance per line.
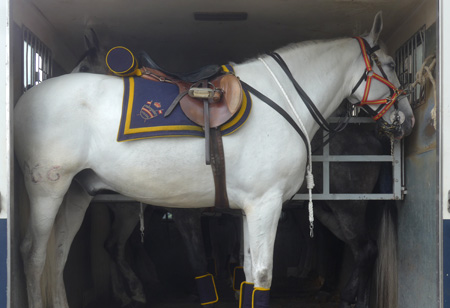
(70,123)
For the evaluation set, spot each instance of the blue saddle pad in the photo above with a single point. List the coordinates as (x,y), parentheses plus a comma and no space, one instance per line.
(144,105)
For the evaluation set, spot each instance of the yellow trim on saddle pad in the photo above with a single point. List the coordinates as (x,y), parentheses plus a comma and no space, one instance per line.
(129,130)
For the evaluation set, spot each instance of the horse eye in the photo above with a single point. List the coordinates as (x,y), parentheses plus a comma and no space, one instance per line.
(84,69)
(391,65)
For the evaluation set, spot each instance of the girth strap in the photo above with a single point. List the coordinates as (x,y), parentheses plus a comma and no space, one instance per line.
(217,159)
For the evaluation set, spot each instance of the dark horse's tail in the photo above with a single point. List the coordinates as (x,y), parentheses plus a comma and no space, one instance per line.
(385,275)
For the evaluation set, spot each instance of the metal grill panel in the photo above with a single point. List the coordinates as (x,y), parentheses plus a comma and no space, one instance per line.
(409,58)
(37,60)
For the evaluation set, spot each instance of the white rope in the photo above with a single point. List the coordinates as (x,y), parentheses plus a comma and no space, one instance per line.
(426,73)
(309,174)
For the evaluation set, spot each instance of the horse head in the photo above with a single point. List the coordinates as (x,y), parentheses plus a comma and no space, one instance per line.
(93,59)
(378,90)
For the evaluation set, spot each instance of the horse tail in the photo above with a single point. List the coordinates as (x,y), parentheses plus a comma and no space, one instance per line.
(386,278)
(48,274)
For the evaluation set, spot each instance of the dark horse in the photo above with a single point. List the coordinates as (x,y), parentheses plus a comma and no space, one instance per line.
(367,227)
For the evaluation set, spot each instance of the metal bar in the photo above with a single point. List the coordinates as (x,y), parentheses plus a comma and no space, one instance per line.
(112,197)
(397,171)
(326,167)
(352,158)
(121,198)
(345,197)
(351,120)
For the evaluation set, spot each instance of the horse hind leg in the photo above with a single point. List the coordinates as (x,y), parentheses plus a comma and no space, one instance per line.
(188,222)
(67,223)
(45,200)
(126,217)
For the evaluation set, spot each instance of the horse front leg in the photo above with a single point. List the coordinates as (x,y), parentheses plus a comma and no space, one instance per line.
(262,220)
(67,223)
(246,288)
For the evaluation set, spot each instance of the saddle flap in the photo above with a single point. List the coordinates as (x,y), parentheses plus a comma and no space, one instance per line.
(221,111)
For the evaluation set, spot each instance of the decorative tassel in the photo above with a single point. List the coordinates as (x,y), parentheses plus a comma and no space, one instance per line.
(310,185)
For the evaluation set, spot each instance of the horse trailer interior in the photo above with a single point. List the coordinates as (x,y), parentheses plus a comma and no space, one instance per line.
(46,38)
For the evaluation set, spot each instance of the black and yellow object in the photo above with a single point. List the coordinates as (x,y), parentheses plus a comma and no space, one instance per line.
(260,298)
(207,289)
(238,277)
(122,62)
(246,295)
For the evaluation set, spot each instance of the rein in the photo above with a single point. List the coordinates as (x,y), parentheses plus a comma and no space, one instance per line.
(368,75)
(306,99)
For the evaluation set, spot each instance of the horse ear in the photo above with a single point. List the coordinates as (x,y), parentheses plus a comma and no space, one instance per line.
(91,40)
(376,28)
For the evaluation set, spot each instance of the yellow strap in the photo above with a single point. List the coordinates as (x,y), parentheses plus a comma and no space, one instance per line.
(242,288)
(253,294)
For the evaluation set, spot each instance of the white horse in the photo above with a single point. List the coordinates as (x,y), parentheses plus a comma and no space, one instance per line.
(69,124)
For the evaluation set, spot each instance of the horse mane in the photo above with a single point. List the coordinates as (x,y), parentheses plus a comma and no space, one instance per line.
(290,47)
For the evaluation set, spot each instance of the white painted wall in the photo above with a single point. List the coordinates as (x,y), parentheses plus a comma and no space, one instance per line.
(424,14)
(444,106)
(5,108)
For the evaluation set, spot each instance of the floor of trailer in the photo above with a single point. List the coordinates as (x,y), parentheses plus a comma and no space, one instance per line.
(275,302)
(281,297)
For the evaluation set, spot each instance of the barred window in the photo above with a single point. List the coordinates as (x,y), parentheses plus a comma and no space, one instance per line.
(409,58)
(37,60)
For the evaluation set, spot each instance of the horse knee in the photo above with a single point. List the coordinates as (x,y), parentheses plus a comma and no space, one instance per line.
(263,278)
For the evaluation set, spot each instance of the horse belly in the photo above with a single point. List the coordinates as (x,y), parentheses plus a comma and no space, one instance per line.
(168,172)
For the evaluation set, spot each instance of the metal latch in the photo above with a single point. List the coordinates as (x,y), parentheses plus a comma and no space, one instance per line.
(201,93)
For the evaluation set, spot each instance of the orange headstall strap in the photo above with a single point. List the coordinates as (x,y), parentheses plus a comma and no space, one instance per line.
(369,75)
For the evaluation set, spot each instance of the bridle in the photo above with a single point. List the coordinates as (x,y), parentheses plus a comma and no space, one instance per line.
(369,57)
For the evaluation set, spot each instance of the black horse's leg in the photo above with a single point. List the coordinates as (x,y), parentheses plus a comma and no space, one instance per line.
(357,289)
(188,222)
(346,220)
(126,217)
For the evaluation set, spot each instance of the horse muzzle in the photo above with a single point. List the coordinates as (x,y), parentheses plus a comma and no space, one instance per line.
(399,127)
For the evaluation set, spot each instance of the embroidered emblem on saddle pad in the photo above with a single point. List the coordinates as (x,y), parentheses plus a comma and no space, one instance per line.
(144,104)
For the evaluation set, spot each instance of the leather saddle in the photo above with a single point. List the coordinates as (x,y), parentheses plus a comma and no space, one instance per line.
(224,100)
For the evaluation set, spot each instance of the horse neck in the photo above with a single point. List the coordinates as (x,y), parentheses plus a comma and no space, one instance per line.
(326,70)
